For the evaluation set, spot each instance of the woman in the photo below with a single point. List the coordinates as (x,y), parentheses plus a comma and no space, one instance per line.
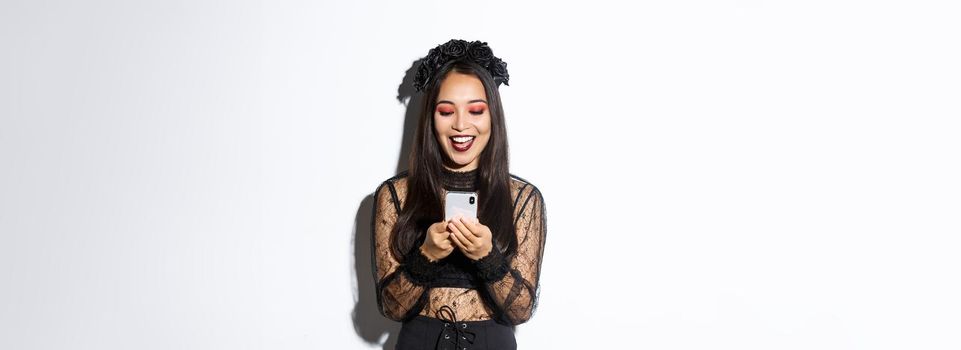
(462,283)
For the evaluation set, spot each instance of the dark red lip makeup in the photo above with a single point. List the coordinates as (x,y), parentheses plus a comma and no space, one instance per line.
(462,146)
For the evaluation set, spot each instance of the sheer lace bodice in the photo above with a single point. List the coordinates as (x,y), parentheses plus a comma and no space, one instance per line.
(494,287)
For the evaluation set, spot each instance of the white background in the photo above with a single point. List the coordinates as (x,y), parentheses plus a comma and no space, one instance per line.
(717,174)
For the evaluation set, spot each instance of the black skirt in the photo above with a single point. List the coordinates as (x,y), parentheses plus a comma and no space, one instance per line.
(424,332)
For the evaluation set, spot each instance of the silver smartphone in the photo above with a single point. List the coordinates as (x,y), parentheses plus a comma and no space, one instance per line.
(459,202)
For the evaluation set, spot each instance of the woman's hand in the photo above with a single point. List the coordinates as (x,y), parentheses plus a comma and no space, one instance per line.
(436,245)
(471,237)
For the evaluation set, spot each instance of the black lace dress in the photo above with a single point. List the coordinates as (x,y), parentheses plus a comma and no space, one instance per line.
(497,287)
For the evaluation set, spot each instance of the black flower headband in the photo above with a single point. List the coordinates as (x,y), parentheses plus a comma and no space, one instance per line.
(476,51)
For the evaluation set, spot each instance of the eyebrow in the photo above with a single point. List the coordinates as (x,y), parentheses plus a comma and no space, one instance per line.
(471,101)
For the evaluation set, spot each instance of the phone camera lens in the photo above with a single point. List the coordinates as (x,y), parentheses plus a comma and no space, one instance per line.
(471,199)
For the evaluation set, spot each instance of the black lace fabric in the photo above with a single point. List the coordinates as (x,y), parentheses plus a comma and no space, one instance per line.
(495,287)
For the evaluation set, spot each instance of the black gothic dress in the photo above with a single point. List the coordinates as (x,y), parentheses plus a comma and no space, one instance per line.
(457,302)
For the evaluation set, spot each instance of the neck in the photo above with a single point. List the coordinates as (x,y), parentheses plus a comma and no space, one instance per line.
(454,180)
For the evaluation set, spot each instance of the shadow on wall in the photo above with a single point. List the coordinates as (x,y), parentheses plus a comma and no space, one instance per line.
(369,324)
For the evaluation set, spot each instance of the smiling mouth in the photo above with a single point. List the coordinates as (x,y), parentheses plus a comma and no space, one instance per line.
(461,143)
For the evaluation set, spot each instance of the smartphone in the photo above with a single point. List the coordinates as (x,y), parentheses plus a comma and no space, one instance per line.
(459,202)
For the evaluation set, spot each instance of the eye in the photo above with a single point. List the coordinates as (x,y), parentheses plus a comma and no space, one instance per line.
(446,113)
(477,112)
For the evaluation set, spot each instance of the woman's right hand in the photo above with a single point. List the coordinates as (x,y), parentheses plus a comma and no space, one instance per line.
(437,244)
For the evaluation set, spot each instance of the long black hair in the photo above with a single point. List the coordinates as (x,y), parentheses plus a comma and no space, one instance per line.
(423,203)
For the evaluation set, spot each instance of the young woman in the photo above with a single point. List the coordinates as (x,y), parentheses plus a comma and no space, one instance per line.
(462,283)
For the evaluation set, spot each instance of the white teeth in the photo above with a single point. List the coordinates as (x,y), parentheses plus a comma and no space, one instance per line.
(463,139)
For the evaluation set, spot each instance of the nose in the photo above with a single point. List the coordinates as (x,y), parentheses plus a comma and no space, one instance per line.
(460,122)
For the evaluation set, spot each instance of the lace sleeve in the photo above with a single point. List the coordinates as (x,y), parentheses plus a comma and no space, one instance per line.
(513,284)
(399,295)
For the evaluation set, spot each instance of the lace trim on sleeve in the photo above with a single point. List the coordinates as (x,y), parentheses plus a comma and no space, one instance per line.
(493,266)
(420,269)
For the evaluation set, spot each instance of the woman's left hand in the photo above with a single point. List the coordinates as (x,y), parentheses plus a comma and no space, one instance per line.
(471,237)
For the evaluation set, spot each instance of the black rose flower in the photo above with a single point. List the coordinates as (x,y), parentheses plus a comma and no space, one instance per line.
(498,69)
(422,76)
(454,48)
(480,53)
(432,58)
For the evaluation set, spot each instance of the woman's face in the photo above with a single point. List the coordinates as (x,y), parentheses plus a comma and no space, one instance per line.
(462,121)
